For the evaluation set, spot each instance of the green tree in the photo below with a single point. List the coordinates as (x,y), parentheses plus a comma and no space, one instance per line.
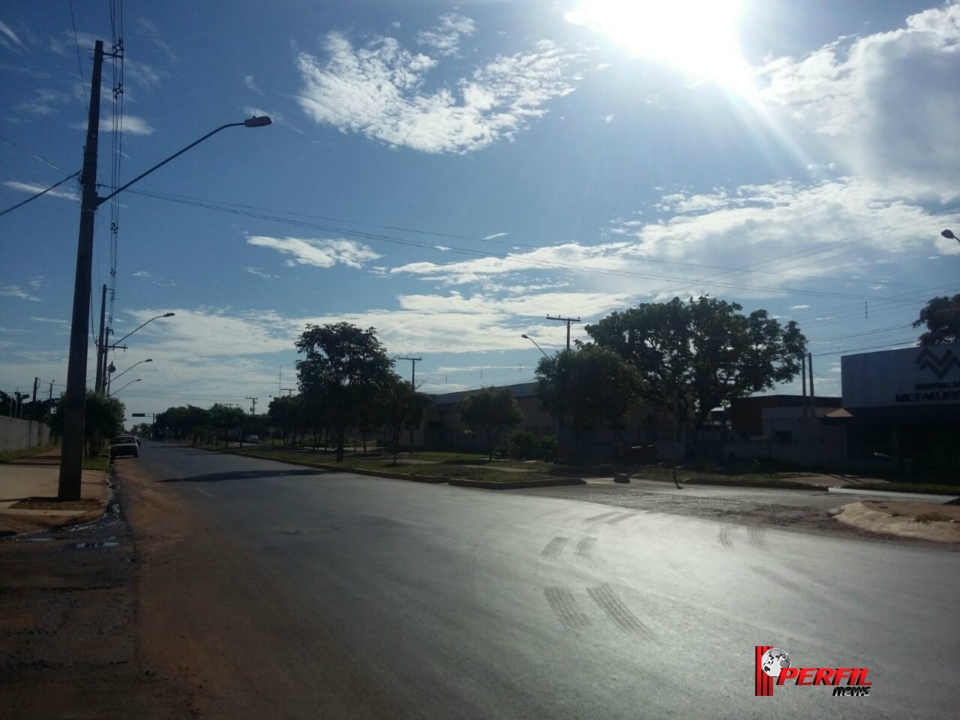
(703,353)
(101,414)
(592,386)
(346,369)
(942,317)
(492,410)
(402,407)
(224,418)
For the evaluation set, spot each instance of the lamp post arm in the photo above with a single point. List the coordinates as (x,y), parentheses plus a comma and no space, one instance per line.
(135,329)
(102,200)
(126,371)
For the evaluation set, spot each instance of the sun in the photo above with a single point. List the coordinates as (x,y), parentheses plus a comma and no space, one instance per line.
(697,37)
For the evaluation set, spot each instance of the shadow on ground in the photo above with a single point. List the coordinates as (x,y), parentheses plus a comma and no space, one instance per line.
(245,475)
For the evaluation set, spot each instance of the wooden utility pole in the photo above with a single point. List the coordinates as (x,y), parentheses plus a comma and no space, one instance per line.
(101,350)
(568,321)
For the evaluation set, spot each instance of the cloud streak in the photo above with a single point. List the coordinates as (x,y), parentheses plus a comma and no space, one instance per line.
(322,253)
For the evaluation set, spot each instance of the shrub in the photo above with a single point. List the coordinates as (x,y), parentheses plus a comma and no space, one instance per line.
(932,517)
(547,447)
(521,445)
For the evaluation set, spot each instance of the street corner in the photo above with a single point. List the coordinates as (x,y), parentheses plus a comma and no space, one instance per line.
(925,521)
(28,499)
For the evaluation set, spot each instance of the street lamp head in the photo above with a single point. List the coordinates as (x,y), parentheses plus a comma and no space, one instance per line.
(949,235)
(168,315)
(257,121)
(525,336)
(149,360)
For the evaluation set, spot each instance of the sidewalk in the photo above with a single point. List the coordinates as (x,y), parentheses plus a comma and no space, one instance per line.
(28,491)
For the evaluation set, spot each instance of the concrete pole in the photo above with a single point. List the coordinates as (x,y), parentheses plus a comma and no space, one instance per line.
(71,462)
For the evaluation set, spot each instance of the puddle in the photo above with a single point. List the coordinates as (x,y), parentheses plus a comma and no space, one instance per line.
(83,545)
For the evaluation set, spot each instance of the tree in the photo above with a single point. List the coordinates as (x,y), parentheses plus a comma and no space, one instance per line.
(591,386)
(345,369)
(101,414)
(942,317)
(226,418)
(402,407)
(701,354)
(492,410)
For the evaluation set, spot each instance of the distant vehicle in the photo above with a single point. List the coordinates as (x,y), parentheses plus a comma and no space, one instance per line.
(124,446)
(252,439)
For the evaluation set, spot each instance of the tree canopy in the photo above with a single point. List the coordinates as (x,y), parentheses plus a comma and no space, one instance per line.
(704,351)
(345,370)
(941,316)
(492,410)
(402,407)
(591,386)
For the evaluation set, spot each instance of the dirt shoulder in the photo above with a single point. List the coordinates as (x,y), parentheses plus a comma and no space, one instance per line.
(68,618)
(937,523)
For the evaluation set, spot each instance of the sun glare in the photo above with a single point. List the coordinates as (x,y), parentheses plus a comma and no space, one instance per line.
(697,37)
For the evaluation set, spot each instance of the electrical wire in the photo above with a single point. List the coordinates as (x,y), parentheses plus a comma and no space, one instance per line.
(76,44)
(39,194)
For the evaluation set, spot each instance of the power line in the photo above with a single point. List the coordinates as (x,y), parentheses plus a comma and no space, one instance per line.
(39,194)
(553,264)
(76,44)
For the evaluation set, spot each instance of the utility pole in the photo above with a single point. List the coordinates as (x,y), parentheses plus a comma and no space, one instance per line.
(253,407)
(33,412)
(101,350)
(71,463)
(413,382)
(813,397)
(803,376)
(568,321)
(413,366)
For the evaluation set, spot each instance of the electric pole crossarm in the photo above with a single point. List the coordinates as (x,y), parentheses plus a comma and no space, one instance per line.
(568,321)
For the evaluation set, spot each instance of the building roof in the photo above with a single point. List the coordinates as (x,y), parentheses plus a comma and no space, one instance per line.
(519,390)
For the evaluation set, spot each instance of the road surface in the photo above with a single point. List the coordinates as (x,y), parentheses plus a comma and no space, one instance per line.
(280,591)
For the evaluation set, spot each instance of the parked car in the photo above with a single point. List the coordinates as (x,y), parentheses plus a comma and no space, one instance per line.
(124,446)
(252,439)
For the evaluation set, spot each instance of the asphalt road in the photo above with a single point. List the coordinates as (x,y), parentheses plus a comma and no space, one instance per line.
(336,595)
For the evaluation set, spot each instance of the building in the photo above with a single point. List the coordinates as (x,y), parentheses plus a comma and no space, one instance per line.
(777,417)
(902,409)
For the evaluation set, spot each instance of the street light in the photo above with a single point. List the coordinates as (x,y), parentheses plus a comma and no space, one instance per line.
(106,379)
(949,235)
(527,337)
(131,368)
(71,463)
(129,384)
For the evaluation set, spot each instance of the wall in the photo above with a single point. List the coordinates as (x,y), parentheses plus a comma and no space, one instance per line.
(18,434)
(911,377)
(821,446)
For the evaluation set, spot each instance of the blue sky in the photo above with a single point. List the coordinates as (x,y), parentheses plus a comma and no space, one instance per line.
(452,173)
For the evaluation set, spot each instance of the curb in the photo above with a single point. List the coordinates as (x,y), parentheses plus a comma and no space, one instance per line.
(783,485)
(430,479)
(491,485)
(860,516)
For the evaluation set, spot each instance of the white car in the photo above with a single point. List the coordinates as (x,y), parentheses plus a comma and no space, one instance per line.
(124,445)
(252,439)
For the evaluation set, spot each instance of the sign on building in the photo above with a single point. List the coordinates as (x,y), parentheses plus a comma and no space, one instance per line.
(902,378)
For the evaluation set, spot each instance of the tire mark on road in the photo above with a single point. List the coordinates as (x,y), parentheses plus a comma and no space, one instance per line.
(783,582)
(607,600)
(602,516)
(758,537)
(585,548)
(564,606)
(724,536)
(621,518)
(554,547)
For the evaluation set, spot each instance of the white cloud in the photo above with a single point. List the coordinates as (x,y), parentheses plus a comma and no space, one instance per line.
(495,236)
(603,66)
(608,119)
(322,253)
(132,125)
(260,273)
(445,38)
(142,273)
(36,282)
(798,307)
(17,292)
(887,103)
(34,188)
(378,90)
(251,84)
(9,39)
(50,320)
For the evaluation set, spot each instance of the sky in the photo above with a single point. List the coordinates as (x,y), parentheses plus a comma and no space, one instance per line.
(450,174)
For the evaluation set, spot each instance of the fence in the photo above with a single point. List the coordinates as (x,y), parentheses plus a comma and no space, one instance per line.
(18,434)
